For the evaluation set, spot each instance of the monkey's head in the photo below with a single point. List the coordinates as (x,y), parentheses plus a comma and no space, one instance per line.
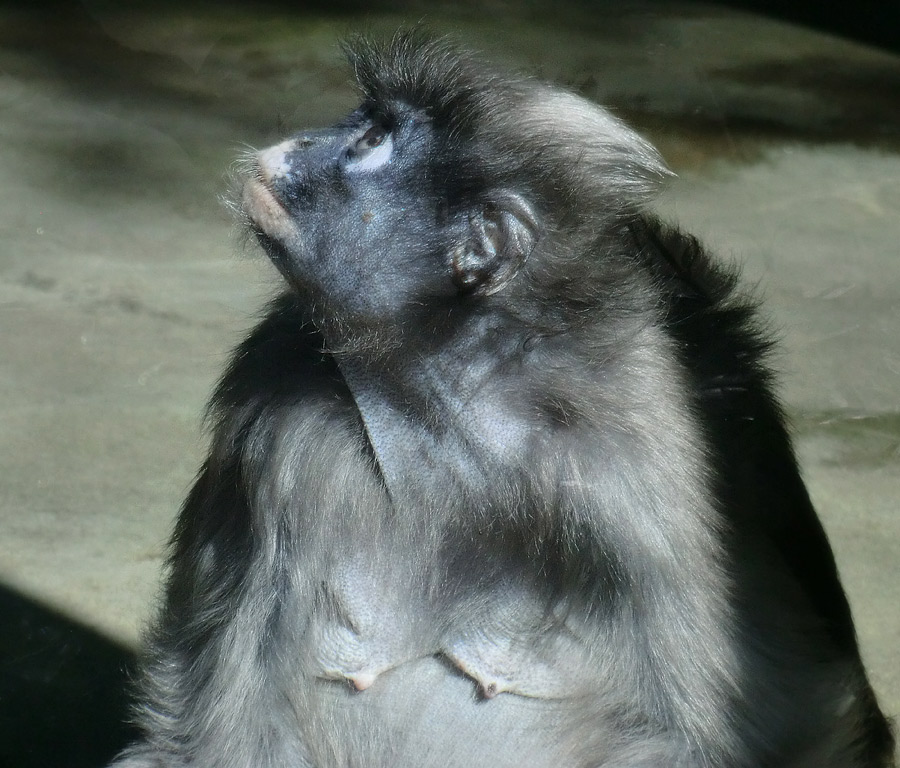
(449,190)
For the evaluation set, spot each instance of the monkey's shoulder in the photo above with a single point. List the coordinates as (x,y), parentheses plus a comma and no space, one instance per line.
(716,322)
(680,262)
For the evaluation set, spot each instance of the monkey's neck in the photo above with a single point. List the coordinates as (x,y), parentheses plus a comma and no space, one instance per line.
(454,411)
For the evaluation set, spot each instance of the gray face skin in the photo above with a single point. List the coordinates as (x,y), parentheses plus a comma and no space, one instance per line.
(360,262)
(500,480)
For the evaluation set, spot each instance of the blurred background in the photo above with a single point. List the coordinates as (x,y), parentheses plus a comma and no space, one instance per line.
(123,283)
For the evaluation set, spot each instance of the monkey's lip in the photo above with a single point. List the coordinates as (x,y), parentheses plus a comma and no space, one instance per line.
(262,206)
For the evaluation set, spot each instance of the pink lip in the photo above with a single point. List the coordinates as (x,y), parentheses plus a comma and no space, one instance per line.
(264,209)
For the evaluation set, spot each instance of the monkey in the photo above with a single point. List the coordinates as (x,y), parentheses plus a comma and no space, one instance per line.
(501,478)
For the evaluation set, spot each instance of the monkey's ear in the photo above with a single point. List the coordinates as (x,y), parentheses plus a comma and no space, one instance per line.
(501,235)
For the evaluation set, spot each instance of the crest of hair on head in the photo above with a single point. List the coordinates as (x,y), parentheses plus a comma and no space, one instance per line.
(569,142)
(602,158)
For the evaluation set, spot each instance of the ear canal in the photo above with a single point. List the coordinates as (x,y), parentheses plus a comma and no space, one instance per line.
(501,235)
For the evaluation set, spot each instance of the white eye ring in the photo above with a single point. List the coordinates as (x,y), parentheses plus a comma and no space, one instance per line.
(366,156)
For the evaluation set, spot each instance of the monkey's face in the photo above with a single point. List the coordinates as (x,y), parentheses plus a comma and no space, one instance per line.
(351,217)
(362,220)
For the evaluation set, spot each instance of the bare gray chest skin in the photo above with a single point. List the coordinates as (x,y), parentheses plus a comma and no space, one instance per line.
(452,410)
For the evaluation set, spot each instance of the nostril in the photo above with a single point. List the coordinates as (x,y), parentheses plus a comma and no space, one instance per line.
(273,162)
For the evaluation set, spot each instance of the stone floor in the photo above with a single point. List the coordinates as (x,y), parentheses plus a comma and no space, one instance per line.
(123,284)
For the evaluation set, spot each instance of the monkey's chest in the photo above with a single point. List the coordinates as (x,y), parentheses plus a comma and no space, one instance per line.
(499,626)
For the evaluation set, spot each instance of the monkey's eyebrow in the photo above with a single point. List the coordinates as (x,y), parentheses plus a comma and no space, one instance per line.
(393,113)
(378,111)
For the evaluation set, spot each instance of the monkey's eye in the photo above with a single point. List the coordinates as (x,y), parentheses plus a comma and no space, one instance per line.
(372,150)
(372,138)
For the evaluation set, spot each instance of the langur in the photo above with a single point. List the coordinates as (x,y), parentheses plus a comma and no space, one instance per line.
(500,479)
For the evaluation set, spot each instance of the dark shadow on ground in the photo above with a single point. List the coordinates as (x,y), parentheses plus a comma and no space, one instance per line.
(62,689)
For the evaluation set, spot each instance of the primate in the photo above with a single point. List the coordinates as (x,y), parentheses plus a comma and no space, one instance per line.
(500,480)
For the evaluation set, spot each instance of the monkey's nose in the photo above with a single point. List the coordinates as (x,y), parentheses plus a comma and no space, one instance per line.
(273,163)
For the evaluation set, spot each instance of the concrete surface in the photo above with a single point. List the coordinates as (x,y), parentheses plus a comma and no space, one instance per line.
(123,285)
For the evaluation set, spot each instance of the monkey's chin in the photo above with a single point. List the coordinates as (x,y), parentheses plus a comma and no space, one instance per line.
(265,212)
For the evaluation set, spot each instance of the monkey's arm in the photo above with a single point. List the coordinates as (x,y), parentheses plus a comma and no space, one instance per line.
(756,477)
